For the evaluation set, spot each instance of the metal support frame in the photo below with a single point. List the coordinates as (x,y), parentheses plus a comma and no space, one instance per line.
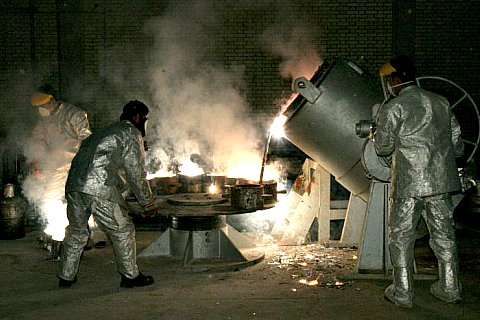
(374,256)
(219,249)
(354,217)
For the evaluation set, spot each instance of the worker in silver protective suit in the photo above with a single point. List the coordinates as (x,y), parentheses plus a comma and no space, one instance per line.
(108,163)
(419,131)
(55,141)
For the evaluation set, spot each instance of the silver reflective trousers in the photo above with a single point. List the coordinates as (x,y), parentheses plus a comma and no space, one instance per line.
(404,216)
(112,218)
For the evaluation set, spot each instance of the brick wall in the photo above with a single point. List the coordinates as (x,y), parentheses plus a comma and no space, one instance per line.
(116,44)
(447,46)
(18,69)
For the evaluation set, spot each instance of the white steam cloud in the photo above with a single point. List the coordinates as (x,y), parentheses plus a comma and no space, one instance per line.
(200,110)
(295,46)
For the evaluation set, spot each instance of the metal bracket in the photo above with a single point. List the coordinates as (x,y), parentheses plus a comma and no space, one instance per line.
(306,89)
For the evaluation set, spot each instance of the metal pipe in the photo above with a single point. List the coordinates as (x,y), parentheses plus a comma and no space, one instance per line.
(264,159)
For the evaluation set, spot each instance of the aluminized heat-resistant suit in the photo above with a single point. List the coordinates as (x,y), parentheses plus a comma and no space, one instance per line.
(55,141)
(108,163)
(420,131)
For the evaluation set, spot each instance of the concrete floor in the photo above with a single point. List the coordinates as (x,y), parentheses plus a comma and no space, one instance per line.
(267,290)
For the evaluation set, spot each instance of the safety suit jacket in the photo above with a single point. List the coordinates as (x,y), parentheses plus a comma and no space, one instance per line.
(54,142)
(110,160)
(423,136)
(56,138)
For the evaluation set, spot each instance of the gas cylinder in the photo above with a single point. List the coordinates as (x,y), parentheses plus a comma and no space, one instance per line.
(12,214)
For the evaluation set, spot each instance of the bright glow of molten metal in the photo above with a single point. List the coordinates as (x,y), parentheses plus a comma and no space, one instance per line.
(189,168)
(250,169)
(276,129)
(313,282)
(56,213)
(212,189)
(159,174)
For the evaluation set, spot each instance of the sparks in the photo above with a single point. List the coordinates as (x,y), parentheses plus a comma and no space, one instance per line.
(276,129)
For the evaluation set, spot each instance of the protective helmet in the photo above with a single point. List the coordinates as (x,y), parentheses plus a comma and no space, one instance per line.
(38,99)
(42,95)
(401,67)
(404,68)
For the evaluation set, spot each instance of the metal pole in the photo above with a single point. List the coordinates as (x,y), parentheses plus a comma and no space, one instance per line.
(264,159)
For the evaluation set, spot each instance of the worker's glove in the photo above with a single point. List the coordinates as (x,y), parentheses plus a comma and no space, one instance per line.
(152,208)
(467,175)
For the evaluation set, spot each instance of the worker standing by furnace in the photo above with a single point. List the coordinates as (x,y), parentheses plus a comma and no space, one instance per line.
(55,141)
(109,162)
(417,128)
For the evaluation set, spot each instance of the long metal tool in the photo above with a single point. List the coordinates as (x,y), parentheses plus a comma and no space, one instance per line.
(264,159)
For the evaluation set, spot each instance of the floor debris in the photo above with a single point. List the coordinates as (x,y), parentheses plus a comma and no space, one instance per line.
(313,265)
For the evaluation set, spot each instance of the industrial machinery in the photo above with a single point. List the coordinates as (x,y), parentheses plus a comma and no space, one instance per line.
(198,235)
(321,120)
(324,121)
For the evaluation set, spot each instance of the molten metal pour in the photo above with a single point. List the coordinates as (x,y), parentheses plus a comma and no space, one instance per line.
(264,159)
(276,129)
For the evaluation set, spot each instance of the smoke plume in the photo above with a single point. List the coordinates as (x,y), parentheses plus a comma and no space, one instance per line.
(200,108)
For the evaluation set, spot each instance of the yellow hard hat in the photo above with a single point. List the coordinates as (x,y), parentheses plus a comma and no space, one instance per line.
(39,98)
(387,69)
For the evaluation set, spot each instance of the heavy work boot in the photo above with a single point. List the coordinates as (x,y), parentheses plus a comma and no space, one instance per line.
(448,287)
(64,284)
(400,292)
(139,281)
